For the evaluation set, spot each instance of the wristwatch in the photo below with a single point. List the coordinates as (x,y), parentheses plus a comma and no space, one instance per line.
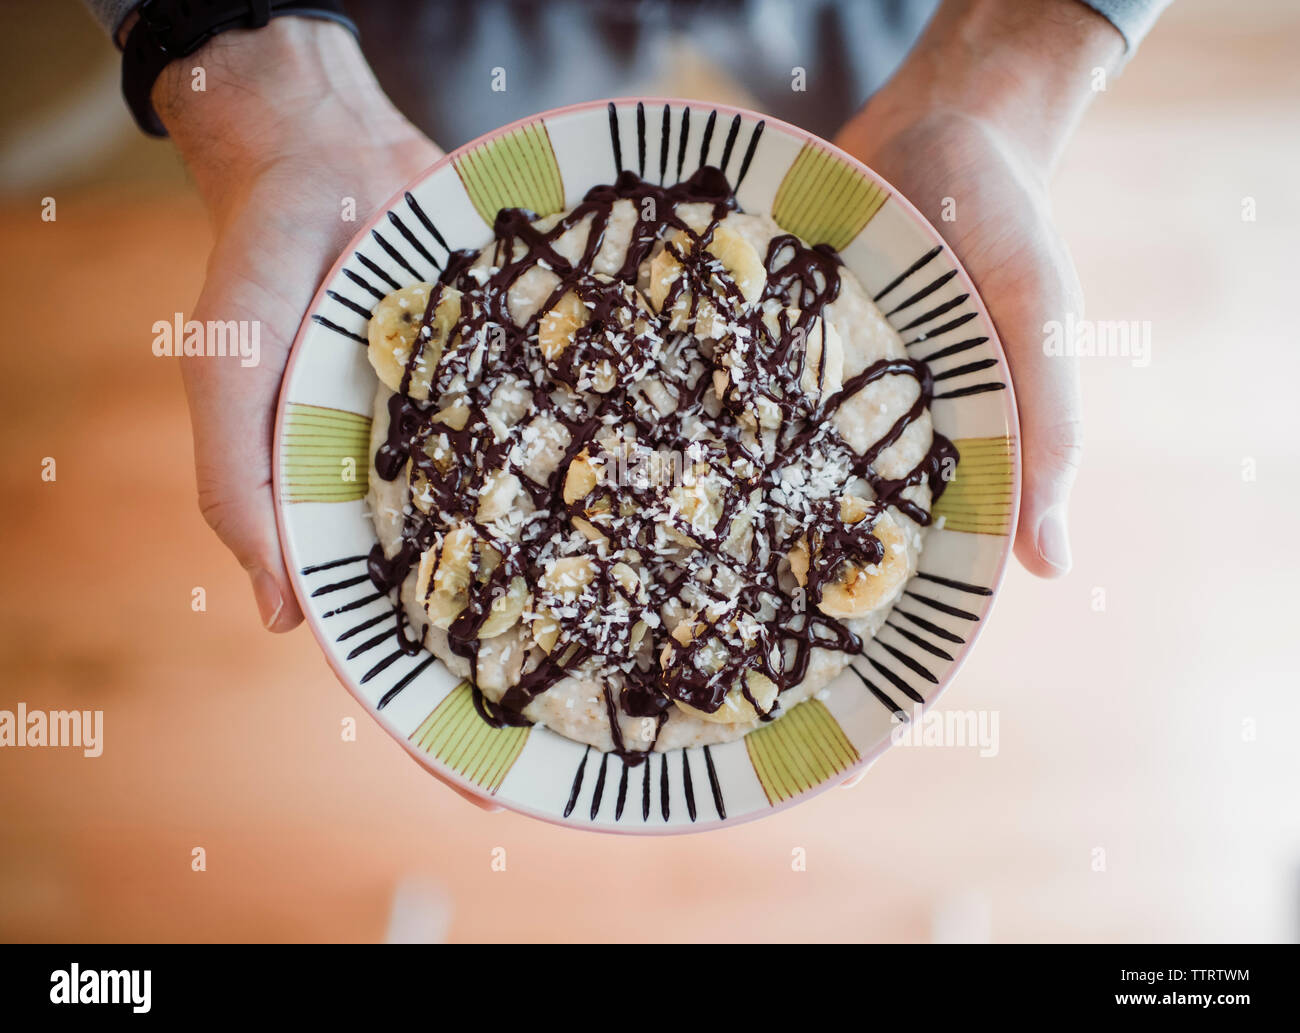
(170,29)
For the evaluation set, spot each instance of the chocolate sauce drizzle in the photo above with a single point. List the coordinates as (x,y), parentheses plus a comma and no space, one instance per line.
(754,621)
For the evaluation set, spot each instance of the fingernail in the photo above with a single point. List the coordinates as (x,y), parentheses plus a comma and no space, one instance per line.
(1054,539)
(267,593)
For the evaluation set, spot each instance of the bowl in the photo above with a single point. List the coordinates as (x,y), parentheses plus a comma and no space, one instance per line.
(547,163)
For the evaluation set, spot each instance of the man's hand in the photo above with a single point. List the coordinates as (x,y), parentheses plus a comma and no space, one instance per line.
(979,113)
(292,122)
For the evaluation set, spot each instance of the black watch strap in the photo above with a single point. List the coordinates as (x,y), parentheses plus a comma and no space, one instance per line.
(171,29)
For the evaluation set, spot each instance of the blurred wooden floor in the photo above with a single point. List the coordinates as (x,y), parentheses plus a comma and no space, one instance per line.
(1120,730)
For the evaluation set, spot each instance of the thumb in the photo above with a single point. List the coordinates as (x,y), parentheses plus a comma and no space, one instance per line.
(1051,418)
(1053,447)
(232,412)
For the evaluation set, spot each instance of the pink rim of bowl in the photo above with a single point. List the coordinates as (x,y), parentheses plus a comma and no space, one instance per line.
(451,777)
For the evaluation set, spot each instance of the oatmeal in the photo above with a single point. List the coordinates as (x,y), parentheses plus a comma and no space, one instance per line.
(648,472)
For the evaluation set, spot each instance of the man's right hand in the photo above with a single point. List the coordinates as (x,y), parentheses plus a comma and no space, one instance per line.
(291,125)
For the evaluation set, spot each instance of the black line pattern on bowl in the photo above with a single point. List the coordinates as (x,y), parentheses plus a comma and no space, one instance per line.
(358,585)
(647,766)
(423,248)
(929,331)
(665,134)
(912,637)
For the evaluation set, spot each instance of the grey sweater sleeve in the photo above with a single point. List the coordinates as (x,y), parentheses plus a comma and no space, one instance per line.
(1133,18)
(111,13)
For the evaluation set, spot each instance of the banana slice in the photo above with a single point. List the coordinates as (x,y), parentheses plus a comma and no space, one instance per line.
(699,502)
(529,290)
(797,557)
(564,581)
(823,370)
(444,577)
(560,325)
(610,616)
(455,416)
(739,261)
(497,496)
(586,474)
(589,530)
(506,609)
(853,509)
(447,576)
(712,656)
(558,330)
(857,589)
(736,709)
(499,490)
(439,449)
(583,476)
(626,577)
(665,268)
(762,410)
(709,480)
(394,334)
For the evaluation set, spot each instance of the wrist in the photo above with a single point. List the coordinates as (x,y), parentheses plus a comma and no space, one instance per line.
(1026,71)
(294,87)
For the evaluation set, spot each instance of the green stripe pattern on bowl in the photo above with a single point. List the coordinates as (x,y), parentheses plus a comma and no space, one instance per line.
(801,750)
(456,734)
(325,454)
